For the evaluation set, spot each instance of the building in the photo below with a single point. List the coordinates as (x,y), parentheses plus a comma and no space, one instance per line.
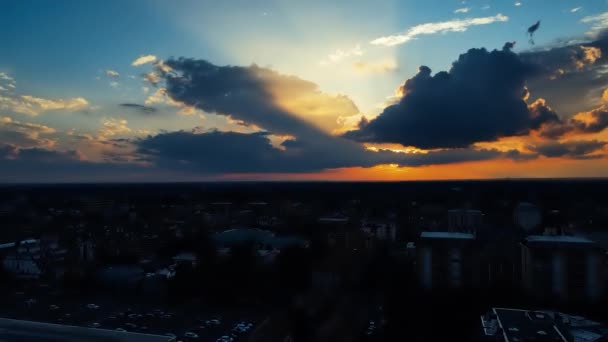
(527,216)
(502,324)
(464,220)
(25,331)
(383,230)
(569,268)
(446,260)
(24,261)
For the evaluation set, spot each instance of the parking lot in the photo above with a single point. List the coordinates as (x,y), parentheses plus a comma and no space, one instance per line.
(185,323)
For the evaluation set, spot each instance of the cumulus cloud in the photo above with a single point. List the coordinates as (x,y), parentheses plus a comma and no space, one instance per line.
(598,22)
(114,126)
(456,25)
(593,121)
(31,105)
(282,104)
(571,149)
(112,73)
(141,60)
(462,10)
(572,75)
(481,98)
(152,77)
(25,134)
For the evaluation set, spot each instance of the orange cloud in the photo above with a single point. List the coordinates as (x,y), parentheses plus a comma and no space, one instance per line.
(504,168)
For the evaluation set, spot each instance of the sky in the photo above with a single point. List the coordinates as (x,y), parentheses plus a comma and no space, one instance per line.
(140,91)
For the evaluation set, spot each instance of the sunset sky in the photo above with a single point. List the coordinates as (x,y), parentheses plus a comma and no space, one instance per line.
(122,91)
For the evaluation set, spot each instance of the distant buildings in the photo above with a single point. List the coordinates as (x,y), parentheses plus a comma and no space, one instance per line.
(464,220)
(23,260)
(527,216)
(383,230)
(446,260)
(562,267)
(502,324)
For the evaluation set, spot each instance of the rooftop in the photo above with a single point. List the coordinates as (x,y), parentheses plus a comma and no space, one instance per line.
(525,325)
(558,239)
(24,331)
(528,325)
(447,235)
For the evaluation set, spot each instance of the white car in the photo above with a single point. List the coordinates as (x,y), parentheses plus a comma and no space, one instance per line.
(92,306)
(190,334)
(213,322)
(53,307)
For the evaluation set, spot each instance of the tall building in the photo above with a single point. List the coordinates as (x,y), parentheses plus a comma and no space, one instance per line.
(464,220)
(447,260)
(569,268)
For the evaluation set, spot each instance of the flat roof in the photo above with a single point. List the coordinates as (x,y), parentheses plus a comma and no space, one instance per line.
(526,325)
(476,211)
(25,331)
(558,239)
(447,235)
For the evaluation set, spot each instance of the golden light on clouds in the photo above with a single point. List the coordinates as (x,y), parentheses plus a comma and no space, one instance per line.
(589,55)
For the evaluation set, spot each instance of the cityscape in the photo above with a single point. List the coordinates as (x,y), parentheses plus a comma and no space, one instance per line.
(307,261)
(303,171)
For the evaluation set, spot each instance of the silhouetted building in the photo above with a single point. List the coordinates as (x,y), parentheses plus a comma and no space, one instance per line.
(527,216)
(464,220)
(563,267)
(384,230)
(446,260)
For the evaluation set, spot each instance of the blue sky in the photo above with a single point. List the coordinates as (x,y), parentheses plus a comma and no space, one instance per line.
(63,50)
(57,48)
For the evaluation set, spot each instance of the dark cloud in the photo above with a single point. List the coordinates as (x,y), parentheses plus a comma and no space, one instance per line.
(139,108)
(251,94)
(572,74)
(481,98)
(232,152)
(570,149)
(44,165)
(595,121)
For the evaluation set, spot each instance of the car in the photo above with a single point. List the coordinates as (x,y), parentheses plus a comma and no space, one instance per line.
(53,307)
(120,329)
(92,306)
(95,325)
(191,334)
